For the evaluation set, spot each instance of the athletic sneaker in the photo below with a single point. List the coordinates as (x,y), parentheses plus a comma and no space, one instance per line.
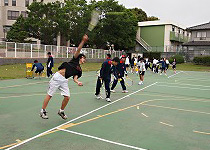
(113,91)
(124,91)
(61,113)
(140,83)
(98,96)
(108,99)
(43,114)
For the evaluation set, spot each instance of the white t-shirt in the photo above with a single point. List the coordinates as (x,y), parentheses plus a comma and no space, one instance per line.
(167,62)
(127,62)
(141,66)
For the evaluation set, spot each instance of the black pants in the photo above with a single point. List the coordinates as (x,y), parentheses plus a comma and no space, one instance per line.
(49,71)
(122,82)
(106,82)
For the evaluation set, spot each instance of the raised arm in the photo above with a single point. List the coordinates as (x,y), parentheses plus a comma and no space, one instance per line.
(84,39)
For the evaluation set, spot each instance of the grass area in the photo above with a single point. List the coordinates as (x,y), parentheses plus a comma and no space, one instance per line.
(19,70)
(192,67)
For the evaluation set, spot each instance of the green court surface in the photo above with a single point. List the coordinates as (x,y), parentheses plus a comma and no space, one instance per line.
(165,113)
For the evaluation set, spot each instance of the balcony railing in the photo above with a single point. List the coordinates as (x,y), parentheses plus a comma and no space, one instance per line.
(178,37)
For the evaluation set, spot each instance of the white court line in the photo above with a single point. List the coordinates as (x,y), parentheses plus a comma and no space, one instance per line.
(100,139)
(174,74)
(166,124)
(184,84)
(186,87)
(34,137)
(144,115)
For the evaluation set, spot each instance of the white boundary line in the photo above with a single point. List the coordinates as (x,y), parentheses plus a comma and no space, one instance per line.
(185,87)
(100,139)
(34,137)
(174,74)
(185,84)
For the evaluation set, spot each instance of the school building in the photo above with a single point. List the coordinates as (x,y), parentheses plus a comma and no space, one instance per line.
(10,10)
(160,36)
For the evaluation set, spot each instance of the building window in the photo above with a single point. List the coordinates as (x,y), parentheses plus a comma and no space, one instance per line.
(26,3)
(201,34)
(13,2)
(12,15)
(24,14)
(6,3)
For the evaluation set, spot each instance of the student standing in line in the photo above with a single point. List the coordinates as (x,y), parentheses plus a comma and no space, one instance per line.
(50,64)
(105,77)
(174,65)
(141,70)
(120,72)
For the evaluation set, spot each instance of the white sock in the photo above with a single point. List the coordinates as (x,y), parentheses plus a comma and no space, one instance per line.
(42,110)
(61,110)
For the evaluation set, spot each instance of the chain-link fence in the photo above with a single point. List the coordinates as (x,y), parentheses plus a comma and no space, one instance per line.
(27,50)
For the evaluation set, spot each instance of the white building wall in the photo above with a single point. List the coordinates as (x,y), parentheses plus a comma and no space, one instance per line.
(20,6)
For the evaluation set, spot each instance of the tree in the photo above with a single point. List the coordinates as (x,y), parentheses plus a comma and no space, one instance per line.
(17,32)
(140,14)
(45,21)
(119,28)
(152,18)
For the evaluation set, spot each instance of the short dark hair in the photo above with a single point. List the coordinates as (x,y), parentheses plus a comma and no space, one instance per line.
(116,59)
(81,55)
(49,53)
(109,55)
(35,61)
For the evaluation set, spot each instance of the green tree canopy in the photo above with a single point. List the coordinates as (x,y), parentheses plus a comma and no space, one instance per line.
(18,32)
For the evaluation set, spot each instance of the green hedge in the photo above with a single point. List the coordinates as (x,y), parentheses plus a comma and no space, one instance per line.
(179,59)
(151,55)
(202,60)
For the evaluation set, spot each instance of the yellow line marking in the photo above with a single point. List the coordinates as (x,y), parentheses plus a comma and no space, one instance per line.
(207,113)
(23,84)
(144,115)
(201,132)
(166,124)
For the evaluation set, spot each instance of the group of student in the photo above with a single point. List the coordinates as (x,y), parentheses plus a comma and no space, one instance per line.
(40,68)
(133,64)
(115,66)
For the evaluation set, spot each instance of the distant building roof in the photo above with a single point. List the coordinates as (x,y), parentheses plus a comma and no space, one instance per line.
(200,27)
(197,43)
(158,22)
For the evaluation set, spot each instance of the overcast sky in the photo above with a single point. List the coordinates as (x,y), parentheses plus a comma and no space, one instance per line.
(184,12)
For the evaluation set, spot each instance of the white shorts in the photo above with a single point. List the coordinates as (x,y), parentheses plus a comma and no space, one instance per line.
(58,82)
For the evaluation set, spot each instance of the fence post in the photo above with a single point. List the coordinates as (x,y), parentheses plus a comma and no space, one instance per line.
(31,50)
(92,53)
(6,49)
(15,50)
(45,51)
(67,54)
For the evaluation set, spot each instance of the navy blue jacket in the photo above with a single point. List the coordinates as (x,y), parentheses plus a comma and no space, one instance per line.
(106,70)
(38,66)
(163,63)
(120,70)
(50,62)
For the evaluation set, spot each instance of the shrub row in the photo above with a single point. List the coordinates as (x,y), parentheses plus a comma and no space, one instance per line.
(202,60)
(179,59)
